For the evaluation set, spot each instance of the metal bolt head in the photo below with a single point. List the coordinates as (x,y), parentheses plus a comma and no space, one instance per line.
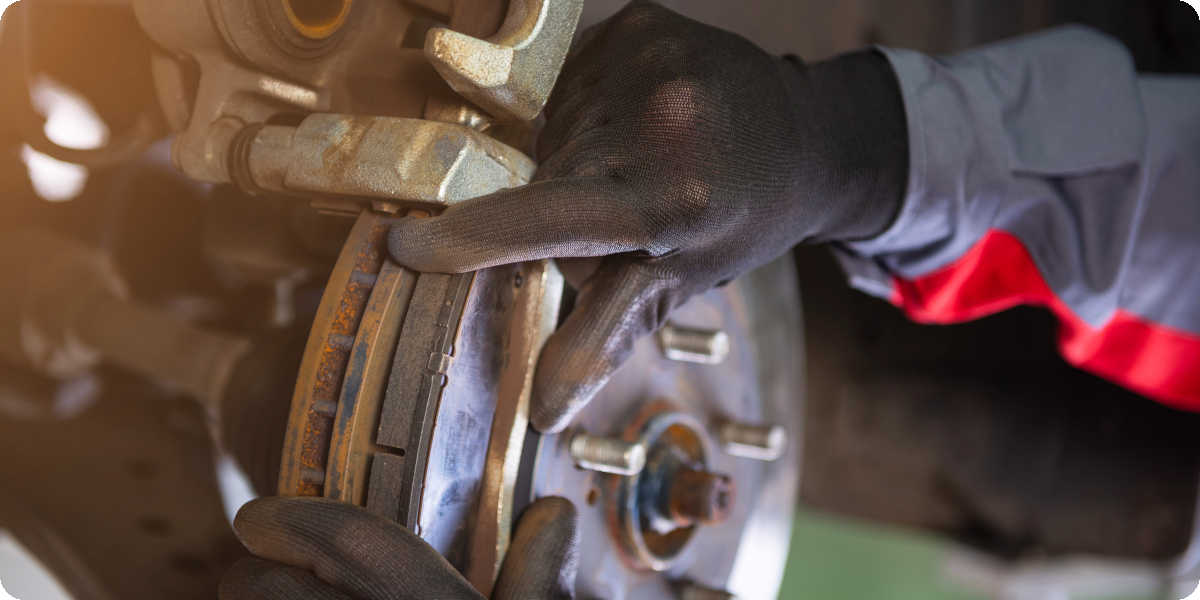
(688,344)
(757,442)
(607,455)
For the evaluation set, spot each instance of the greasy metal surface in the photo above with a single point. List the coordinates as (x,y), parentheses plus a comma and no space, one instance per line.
(511,73)
(383,157)
(761,381)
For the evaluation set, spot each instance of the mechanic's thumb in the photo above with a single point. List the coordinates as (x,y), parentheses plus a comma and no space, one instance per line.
(544,555)
(617,305)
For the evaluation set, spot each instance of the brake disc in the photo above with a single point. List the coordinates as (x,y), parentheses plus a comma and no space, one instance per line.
(412,401)
(680,530)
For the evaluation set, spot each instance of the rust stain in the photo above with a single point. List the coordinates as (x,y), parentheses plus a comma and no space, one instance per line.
(321,375)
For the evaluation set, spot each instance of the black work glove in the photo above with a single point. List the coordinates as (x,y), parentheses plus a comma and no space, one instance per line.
(686,156)
(315,548)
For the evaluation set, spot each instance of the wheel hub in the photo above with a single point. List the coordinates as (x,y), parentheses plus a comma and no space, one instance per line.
(413,402)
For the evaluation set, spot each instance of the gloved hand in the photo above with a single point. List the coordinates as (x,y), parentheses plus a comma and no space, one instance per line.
(685,156)
(315,548)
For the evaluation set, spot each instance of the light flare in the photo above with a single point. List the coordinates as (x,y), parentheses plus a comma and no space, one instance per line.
(1195,595)
(71,122)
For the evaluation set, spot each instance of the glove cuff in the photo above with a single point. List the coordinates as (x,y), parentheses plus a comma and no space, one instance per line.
(852,103)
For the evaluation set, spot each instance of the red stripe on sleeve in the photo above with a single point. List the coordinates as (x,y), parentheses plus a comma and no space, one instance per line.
(998,273)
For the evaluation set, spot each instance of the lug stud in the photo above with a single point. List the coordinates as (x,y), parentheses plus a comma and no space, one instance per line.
(757,442)
(687,344)
(607,455)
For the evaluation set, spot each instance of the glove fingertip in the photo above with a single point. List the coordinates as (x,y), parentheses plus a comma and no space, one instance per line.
(404,241)
(420,245)
(547,422)
(252,513)
(544,557)
(265,525)
(549,528)
(554,404)
(552,508)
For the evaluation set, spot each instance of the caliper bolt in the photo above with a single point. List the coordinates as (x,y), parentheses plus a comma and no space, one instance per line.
(757,442)
(607,455)
(686,344)
(699,497)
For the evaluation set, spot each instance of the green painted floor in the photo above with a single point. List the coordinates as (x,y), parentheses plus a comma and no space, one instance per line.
(835,559)
(838,559)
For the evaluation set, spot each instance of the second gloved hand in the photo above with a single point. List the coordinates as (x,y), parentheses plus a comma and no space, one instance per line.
(321,549)
(684,156)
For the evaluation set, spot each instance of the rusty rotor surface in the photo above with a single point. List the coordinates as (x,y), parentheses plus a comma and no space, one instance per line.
(393,352)
(412,401)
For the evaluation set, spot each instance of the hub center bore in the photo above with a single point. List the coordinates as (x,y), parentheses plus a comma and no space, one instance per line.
(658,510)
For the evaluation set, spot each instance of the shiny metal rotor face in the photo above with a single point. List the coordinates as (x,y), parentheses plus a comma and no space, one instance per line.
(736,418)
(413,397)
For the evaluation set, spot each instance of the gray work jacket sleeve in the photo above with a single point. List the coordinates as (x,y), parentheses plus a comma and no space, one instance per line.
(1044,170)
